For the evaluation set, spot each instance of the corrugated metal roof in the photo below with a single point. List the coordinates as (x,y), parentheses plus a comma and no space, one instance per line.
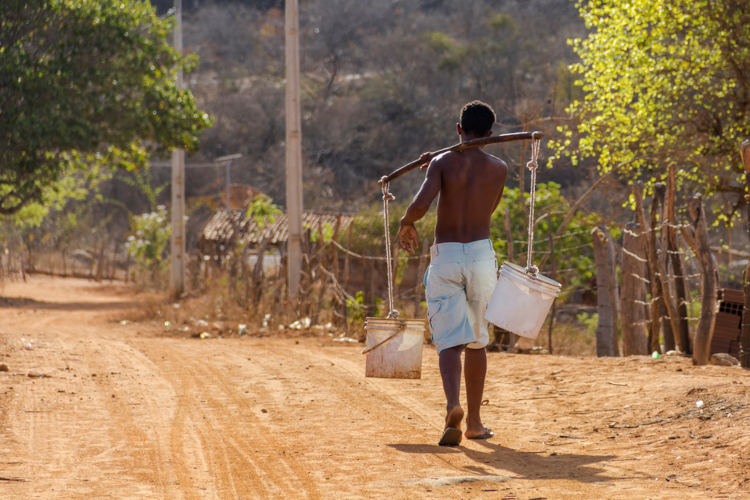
(221,227)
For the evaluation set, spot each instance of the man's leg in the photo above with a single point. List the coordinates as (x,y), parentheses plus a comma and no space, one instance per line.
(474,372)
(450,371)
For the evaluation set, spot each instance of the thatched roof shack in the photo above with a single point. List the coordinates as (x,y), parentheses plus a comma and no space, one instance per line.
(225,227)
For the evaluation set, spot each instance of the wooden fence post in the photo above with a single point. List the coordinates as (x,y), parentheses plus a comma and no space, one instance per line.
(606,292)
(654,283)
(394,268)
(633,291)
(697,238)
(745,333)
(667,310)
(671,249)
(553,265)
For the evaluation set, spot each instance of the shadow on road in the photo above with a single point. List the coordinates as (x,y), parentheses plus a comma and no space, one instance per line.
(25,303)
(525,464)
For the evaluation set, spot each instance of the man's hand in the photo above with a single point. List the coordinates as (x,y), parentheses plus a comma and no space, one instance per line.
(424,166)
(408,238)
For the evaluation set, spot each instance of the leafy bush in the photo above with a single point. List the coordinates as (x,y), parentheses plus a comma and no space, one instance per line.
(149,244)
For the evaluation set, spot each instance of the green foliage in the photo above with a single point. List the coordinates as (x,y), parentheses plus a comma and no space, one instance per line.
(355,308)
(368,233)
(665,83)
(148,245)
(325,232)
(590,321)
(262,210)
(573,252)
(86,83)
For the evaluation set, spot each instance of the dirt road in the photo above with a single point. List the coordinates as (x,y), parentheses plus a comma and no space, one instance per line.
(92,408)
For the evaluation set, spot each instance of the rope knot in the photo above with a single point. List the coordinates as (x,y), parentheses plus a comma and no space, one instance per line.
(387,195)
(532,164)
(532,270)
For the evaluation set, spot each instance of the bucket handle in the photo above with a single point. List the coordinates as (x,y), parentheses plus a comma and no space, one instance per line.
(401,328)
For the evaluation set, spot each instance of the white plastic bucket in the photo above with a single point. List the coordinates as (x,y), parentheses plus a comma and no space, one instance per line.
(394,348)
(520,301)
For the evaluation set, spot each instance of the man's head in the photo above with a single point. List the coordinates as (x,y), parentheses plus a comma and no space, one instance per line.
(476,119)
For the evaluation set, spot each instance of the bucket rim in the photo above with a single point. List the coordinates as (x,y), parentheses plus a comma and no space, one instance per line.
(388,323)
(541,280)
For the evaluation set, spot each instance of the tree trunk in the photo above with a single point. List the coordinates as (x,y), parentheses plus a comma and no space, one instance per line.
(668,313)
(697,238)
(656,306)
(606,291)
(345,282)
(633,291)
(672,250)
(745,335)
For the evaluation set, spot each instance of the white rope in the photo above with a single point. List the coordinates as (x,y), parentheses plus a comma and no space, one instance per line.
(388,196)
(532,165)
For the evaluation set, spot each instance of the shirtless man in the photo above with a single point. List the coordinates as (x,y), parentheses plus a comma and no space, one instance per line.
(463,267)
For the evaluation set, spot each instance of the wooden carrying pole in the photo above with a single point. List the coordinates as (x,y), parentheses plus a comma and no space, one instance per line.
(461,146)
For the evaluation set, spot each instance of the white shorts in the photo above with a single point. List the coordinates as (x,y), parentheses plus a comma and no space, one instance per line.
(459,283)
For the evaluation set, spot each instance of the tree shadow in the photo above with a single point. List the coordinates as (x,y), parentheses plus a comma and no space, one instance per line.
(525,464)
(26,303)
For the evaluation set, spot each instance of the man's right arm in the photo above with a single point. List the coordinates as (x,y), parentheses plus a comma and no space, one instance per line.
(407,235)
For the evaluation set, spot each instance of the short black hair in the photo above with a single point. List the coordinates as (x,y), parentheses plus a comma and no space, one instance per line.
(477,118)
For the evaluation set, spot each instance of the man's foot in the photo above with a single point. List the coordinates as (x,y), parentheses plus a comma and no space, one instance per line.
(485,433)
(454,417)
(452,432)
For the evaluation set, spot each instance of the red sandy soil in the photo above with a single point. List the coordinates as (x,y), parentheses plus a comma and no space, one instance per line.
(91,408)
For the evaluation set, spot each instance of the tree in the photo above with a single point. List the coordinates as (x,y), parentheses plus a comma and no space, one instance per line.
(85,83)
(666,82)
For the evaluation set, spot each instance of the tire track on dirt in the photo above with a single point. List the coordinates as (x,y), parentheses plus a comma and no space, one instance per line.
(396,420)
(77,433)
(133,420)
(225,437)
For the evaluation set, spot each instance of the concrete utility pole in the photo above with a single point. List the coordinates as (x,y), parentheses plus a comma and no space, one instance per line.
(177,282)
(227,183)
(293,148)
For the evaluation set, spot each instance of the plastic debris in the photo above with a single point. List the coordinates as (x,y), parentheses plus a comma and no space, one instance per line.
(345,339)
(205,335)
(655,355)
(301,324)
(699,403)
(242,329)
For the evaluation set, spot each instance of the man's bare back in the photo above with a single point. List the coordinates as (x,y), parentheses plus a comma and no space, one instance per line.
(470,184)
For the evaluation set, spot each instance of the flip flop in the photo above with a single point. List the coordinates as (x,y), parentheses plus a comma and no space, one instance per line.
(451,437)
(487,434)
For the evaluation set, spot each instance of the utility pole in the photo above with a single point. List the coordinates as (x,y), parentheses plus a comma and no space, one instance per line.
(177,282)
(227,183)
(293,148)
